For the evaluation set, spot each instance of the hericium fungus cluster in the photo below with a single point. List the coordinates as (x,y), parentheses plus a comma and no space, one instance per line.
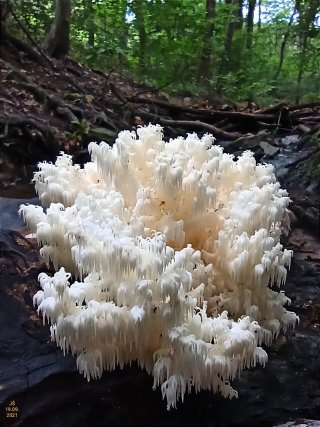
(167,254)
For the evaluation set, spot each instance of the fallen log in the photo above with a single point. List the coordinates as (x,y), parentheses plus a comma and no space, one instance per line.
(271,108)
(195,124)
(206,112)
(303,106)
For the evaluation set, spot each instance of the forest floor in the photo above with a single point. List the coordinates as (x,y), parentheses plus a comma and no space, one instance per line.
(47,106)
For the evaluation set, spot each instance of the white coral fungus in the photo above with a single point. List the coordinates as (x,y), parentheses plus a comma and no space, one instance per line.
(165,254)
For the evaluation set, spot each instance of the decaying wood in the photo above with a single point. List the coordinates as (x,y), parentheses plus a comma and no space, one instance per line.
(302,106)
(271,108)
(195,124)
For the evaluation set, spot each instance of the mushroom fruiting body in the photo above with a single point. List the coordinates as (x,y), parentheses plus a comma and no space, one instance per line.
(166,253)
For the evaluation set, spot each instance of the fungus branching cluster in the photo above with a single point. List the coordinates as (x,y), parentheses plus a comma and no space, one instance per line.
(167,254)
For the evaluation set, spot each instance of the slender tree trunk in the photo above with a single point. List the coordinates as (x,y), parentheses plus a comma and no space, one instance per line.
(250,19)
(307,15)
(239,20)
(57,43)
(259,14)
(137,7)
(4,12)
(90,22)
(301,67)
(283,45)
(232,26)
(204,70)
(124,34)
(229,38)
(249,42)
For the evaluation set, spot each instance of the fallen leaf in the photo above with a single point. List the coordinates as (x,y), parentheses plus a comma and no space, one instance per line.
(138,120)
(30,103)
(89,98)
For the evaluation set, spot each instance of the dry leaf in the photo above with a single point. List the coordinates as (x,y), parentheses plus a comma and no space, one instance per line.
(138,120)
(89,98)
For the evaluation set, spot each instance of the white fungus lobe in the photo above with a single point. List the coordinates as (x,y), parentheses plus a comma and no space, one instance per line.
(166,253)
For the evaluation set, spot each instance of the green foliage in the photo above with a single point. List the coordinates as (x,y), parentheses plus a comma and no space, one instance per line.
(78,129)
(161,41)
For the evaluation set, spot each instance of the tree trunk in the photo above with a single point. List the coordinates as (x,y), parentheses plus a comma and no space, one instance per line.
(90,22)
(232,26)
(259,14)
(303,48)
(205,59)
(239,20)
(4,11)
(307,15)
(123,40)
(57,43)
(137,7)
(250,21)
(283,45)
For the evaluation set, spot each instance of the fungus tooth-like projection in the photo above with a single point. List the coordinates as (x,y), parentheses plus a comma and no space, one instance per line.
(174,250)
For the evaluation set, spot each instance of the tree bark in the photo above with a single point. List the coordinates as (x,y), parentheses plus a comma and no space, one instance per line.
(250,21)
(259,14)
(205,59)
(307,14)
(123,40)
(283,45)
(232,26)
(239,21)
(57,43)
(90,22)
(137,7)
(4,11)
